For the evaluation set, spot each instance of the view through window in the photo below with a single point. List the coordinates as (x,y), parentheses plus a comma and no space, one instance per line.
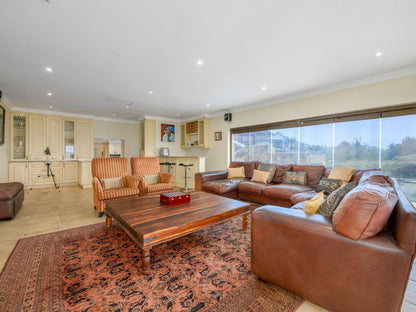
(388,143)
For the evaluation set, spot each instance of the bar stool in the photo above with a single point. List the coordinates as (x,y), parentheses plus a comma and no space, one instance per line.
(186,174)
(169,164)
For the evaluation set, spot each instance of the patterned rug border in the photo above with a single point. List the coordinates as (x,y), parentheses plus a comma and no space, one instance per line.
(51,240)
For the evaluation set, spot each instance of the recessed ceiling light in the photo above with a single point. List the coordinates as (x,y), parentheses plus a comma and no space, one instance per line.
(178,114)
(200,62)
(379,53)
(208,105)
(114,115)
(49,94)
(127,106)
(50,106)
(150,92)
(48,69)
(264,88)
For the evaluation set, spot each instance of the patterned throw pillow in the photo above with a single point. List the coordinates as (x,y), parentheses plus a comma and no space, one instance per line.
(152,179)
(331,203)
(328,185)
(268,168)
(290,177)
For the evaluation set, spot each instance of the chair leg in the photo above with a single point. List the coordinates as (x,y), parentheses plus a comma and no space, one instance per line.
(100,214)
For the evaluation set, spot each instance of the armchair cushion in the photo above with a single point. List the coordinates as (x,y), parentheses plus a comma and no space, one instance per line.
(117,193)
(112,183)
(151,179)
(165,177)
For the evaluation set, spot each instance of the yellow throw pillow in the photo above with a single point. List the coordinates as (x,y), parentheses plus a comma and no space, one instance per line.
(112,183)
(342,173)
(260,176)
(234,173)
(312,205)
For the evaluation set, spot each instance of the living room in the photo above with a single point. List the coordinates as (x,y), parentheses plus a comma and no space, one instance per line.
(112,69)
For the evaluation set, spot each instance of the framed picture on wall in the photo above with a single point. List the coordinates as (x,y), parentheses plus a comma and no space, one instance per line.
(2,122)
(167,133)
(218,136)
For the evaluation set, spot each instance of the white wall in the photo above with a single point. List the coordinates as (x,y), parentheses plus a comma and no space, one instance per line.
(5,149)
(129,132)
(386,93)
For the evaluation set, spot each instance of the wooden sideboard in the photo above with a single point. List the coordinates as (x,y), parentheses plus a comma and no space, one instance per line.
(179,171)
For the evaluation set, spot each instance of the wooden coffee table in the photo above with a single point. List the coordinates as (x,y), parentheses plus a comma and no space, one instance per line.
(149,223)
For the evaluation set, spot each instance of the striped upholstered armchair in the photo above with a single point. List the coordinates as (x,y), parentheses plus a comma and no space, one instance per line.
(111,180)
(151,179)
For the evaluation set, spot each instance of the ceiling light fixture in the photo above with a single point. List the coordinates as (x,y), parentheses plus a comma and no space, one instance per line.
(208,105)
(178,114)
(379,53)
(264,88)
(114,115)
(200,62)
(128,106)
(150,92)
(49,94)
(48,69)
(50,106)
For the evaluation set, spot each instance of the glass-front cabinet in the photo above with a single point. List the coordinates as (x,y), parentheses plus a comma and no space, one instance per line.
(69,139)
(19,137)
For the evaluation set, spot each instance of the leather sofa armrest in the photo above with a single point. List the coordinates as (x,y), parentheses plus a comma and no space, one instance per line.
(96,185)
(202,177)
(165,177)
(132,181)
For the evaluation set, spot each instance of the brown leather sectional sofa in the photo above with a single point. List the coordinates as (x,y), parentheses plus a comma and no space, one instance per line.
(305,255)
(276,193)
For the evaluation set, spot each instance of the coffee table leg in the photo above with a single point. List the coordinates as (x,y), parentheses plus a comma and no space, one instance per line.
(146,260)
(245,224)
(108,221)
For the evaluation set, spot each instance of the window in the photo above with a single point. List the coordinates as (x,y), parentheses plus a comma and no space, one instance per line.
(357,144)
(398,151)
(366,140)
(316,145)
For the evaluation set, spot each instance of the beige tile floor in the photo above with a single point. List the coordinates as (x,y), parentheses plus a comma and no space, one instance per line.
(47,210)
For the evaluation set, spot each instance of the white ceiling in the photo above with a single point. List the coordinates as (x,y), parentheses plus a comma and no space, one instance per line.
(120,50)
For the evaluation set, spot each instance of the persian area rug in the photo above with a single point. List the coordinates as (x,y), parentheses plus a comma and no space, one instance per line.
(94,268)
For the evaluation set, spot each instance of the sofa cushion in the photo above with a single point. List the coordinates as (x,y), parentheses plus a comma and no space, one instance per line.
(331,203)
(221,187)
(118,193)
(112,183)
(303,196)
(9,190)
(235,173)
(268,168)
(365,210)
(314,173)
(299,178)
(284,191)
(342,173)
(376,176)
(299,205)
(312,205)
(280,170)
(251,187)
(328,185)
(152,179)
(248,167)
(356,176)
(261,176)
